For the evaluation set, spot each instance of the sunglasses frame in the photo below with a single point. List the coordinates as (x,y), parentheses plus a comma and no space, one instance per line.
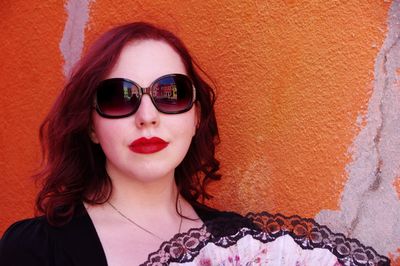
(148,91)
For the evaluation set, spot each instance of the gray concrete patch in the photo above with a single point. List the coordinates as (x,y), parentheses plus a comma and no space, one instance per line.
(370,207)
(71,44)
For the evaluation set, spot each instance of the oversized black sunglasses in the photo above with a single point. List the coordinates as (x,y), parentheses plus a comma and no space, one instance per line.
(170,94)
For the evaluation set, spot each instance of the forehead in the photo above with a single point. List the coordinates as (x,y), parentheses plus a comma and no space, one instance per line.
(144,61)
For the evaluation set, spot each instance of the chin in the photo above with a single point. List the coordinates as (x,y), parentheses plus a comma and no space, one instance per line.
(152,176)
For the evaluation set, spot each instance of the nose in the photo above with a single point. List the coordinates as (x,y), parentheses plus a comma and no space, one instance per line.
(147,114)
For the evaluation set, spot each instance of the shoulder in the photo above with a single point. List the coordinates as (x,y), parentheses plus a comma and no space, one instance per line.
(25,232)
(207,213)
(36,242)
(23,242)
(221,223)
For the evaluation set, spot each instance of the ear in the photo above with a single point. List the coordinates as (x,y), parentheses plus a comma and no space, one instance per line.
(93,135)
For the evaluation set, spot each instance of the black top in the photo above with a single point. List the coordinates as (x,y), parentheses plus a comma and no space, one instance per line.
(35,242)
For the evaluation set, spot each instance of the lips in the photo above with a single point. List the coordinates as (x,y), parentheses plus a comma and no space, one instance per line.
(147,146)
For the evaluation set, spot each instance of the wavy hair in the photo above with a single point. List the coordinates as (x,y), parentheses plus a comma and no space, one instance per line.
(73,167)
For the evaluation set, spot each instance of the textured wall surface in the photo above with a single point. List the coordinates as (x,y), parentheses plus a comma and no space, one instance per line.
(308,100)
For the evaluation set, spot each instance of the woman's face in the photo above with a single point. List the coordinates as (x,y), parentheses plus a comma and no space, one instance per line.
(125,141)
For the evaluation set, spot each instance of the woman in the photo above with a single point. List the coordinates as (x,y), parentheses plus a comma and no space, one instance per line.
(128,149)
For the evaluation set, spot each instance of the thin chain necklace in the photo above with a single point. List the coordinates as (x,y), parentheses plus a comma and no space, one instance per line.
(141,227)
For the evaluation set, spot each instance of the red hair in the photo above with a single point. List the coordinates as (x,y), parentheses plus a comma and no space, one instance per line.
(73,167)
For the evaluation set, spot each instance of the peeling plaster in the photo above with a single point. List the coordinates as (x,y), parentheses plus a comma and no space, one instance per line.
(71,44)
(370,208)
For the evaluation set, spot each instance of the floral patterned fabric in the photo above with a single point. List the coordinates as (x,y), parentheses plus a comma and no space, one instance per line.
(249,251)
(263,239)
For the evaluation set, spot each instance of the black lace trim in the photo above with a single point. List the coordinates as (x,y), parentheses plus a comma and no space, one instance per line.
(225,232)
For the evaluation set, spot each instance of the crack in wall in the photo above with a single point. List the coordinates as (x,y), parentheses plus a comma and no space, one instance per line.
(71,44)
(369,207)
(377,139)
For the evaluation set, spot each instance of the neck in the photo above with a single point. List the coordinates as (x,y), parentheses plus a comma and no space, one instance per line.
(145,197)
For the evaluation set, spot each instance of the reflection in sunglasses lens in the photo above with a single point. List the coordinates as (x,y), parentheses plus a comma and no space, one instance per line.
(174,96)
(117,97)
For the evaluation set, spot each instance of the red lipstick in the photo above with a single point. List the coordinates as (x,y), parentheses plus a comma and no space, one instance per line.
(147,146)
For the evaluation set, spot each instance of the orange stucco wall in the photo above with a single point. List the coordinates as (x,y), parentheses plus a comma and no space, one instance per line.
(293,79)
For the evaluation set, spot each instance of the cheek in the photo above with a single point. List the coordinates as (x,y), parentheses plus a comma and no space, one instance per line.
(106,132)
(186,127)
(185,134)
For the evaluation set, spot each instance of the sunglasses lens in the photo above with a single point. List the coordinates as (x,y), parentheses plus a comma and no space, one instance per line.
(117,98)
(173,94)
